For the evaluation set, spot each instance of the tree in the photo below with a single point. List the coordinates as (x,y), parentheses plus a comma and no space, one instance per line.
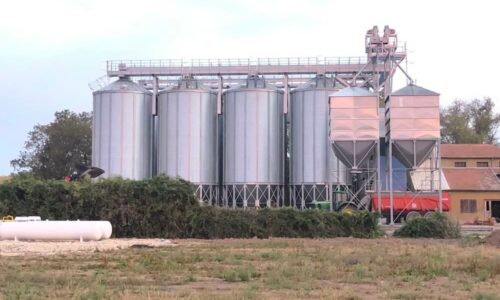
(53,150)
(473,122)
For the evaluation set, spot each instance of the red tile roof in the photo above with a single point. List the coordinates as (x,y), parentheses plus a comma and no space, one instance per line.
(472,179)
(469,151)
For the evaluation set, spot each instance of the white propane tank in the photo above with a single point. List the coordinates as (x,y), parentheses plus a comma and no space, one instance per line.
(27,219)
(106,229)
(55,230)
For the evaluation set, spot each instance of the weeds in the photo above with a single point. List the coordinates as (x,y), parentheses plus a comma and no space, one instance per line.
(481,296)
(239,274)
(259,269)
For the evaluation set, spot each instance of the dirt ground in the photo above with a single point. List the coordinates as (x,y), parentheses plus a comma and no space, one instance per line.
(39,248)
(341,268)
(21,248)
(493,239)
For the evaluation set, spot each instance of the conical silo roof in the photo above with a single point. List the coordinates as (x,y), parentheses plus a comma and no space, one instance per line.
(353,92)
(414,90)
(319,82)
(255,82)
(187,83)
(123,85)
(190,83)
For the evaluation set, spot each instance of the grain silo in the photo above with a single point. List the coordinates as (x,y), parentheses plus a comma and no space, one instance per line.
(314,168)
(354,125)
(122,130)
(254,147)
(354,135)
(412,116)
(187,136)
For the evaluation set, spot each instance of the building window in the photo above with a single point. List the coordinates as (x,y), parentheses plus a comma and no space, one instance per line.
(460,164)
(468,206)
(482,164)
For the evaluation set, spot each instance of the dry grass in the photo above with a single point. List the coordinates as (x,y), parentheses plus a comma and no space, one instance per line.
(264,269)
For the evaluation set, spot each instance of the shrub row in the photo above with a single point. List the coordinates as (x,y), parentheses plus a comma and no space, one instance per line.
(215,222)
(165,207)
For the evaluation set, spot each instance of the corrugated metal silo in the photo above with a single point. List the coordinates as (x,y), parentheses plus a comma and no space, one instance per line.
(354,125)
(187,136)
(314,168)
(253,145)
(354,134)
(412,115)
(122,130)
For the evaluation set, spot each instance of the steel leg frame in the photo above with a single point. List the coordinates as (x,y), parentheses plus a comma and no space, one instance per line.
(434,165)
(305,194)
(252,195)
(207,193)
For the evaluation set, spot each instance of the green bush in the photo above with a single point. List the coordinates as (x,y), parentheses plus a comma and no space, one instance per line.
(216,222)
(166,207)
(438,225)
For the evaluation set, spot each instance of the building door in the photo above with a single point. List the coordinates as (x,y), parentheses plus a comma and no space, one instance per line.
(495,209)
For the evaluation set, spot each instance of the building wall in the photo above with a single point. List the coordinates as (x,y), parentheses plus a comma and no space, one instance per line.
(470,162)
(481,198)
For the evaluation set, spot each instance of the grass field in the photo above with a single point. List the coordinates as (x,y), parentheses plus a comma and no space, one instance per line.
(341,268)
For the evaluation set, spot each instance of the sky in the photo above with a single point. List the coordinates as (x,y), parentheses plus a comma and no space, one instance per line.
(51,50)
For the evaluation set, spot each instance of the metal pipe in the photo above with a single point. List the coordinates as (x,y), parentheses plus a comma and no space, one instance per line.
(404,72)
(355,163)
(302,201)
(391,199)
(286,162)
(154,131)
(330,195)
(234,197)
(219,94)
(353,81)
(379,184)
(268,196)
(414,154)
(245,200)
(438,144)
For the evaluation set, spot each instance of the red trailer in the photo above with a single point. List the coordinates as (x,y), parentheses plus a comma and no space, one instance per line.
(408,205)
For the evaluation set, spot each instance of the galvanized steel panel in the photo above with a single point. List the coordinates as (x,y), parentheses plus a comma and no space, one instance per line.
(122,131)
(312,160)
(187,135)
(413,113)
(354,117)
(253,136)
(413,119)
(354,125)
(413,152)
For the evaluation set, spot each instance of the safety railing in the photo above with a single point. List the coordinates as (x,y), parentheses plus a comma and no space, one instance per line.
(117,65)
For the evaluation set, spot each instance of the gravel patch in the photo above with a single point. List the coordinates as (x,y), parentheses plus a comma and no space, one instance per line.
(35,248)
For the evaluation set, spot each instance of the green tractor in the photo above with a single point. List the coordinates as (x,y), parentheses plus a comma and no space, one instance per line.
(339,196)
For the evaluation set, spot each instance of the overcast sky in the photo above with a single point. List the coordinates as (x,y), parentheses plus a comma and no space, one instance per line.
(50,50)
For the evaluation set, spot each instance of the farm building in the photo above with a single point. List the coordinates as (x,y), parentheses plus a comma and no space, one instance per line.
(472,172)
